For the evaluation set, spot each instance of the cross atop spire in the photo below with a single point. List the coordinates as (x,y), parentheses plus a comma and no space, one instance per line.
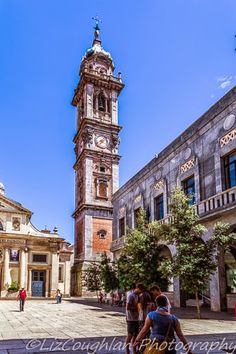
(97,30)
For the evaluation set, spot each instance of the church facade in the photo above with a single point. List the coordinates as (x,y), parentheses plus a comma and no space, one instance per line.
(39,261)
(202,160)
(97,158)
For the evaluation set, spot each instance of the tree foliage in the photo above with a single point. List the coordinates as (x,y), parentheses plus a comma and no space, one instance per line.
(92,278)
(195,260)
(108,273)
(140,257)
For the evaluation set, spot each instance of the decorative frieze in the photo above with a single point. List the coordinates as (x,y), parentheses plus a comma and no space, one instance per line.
(121,212)
(187,165)
(12,241)
(159,184)
(138,199)
(226,139)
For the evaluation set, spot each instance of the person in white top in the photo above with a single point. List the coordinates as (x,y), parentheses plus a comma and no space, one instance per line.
(156,291)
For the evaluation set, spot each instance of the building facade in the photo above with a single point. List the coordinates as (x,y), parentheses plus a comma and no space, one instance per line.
(39,261)
(203,161)
(97,158)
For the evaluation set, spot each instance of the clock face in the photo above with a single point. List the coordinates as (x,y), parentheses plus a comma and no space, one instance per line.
(101,142)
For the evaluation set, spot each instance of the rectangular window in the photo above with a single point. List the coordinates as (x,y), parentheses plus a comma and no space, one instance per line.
(136,215)
(14,255)
(40,258)
(121,227)
(230,170)
(189,189)
(159,207)
(60,276)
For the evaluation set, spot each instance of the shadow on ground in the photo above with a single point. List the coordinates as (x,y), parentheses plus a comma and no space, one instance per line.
(182,313)
(214,344)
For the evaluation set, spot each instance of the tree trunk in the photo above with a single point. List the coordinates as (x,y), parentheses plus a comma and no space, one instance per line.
(198,305)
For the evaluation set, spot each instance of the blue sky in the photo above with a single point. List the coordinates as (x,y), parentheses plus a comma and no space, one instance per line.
(177,58)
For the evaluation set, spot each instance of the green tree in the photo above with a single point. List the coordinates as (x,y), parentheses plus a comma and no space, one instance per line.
(108,274)
(195,260)
(140,257)
(92,278)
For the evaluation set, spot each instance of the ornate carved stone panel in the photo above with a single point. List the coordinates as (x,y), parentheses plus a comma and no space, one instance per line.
(138,199)
(16,224)
(187,165)
(226,139)
(159,184)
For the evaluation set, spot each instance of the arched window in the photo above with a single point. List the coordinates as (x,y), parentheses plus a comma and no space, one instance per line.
(102,188)
(94,102)
(230,267)
(109,106)
(101,102)
(1,226)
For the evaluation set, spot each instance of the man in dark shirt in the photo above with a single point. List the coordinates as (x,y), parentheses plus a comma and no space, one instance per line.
(156,291)
(132,316)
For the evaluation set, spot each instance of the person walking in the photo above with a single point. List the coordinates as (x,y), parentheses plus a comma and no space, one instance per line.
(156,291)
(163,327)
(58,296)
(132,316)
(22,297)
(145,305)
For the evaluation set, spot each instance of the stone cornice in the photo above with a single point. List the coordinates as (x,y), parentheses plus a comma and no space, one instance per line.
(25,237)
(92,207)
(96,124)
(91,153)
(16,205)
(106,81)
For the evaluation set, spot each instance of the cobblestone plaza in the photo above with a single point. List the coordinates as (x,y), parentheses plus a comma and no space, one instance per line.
(73,322)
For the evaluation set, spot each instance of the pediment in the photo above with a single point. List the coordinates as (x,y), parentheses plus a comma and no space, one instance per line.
(9,205)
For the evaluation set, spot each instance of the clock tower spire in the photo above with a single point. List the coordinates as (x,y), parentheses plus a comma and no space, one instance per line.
(97,158)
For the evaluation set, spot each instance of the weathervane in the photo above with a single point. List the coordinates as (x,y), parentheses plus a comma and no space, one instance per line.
(97,20)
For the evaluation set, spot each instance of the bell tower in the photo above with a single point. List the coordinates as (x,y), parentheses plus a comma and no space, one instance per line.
(97,158)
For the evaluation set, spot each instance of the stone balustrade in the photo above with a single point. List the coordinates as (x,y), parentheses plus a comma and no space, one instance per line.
(219,202)
(118,243)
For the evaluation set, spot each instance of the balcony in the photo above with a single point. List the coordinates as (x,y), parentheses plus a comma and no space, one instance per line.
(219,203)
(117,244)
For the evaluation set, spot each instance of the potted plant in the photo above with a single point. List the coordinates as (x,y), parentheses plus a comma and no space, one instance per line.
(12,289)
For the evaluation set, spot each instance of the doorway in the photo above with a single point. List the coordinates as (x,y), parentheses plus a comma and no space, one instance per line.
(38,283)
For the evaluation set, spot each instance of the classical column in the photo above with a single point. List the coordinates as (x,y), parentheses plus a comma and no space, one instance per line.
(30,282)
(22,269)
(54,273)
(26,269)
(47,284)
(176,286)
(6,274)
(67,278)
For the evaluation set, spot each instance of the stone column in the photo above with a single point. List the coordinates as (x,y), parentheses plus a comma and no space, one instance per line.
(54,273)
(176,286)
(30,282)
(67,278)
(26,269)
(6,274)
(47,284)
(22,268)
(218,287)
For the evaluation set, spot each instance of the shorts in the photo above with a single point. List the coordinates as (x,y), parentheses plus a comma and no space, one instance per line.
(133,327)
